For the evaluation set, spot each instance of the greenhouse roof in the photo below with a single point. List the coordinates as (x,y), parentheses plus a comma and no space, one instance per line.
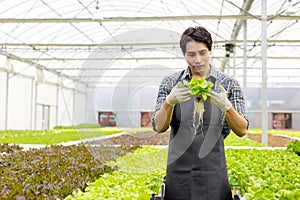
(99,42)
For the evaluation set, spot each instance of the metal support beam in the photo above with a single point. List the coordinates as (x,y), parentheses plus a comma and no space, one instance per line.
(237,27)
(234,61)
(35,103)
(76,45)
(139,19)
(239,23)
(264,97)
(36,65)
(245,60)
(150,68)
(149,58)
(56,106)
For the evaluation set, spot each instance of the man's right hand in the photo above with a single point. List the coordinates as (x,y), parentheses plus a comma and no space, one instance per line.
(178,95)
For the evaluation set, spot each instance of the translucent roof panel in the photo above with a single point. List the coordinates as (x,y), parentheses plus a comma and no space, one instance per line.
(85,38)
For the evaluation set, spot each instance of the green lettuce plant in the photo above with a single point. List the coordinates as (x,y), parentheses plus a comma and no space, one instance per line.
(199,87)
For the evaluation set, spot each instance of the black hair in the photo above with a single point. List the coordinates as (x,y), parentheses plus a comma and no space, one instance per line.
(198,34)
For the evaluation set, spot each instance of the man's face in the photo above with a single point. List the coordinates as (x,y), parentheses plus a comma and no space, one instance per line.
(198,56)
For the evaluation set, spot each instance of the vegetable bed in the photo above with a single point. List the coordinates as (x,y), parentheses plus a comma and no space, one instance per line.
(90,171)
(52,172)
(258,174)
(139,176)
(264,174)
(54,136)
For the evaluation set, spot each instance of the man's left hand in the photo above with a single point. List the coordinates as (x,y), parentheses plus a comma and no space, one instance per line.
(220,99)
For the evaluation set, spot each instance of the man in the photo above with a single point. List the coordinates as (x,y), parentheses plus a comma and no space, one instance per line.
(196,159)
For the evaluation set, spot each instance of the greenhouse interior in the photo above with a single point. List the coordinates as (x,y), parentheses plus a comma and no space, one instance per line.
(79,81)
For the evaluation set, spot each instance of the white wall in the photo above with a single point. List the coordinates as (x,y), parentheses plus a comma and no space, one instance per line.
(19,103)
(80,114)
(2,99)
(65,107)
(26,112)
(126,102)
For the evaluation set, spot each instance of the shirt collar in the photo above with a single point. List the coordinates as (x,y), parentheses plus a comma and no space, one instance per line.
(213,72)
(187,73)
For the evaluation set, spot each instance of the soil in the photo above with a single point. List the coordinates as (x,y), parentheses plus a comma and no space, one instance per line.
(141,138)
(273,141)
(152,138)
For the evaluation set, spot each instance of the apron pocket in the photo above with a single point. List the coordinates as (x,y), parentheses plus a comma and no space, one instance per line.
(207,185)
(178,186)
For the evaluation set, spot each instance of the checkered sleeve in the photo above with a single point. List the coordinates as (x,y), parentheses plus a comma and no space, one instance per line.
(236,97)
(164,89)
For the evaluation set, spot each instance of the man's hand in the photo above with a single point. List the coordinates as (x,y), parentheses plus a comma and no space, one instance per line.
(220,99)
(178,95)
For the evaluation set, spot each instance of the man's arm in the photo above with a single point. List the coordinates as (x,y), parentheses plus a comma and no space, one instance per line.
(163,117)
(236,122)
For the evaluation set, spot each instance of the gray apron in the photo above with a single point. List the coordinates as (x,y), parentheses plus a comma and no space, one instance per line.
(196,159)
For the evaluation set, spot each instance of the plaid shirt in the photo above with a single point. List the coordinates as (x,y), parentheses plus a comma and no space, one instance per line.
(233,88)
